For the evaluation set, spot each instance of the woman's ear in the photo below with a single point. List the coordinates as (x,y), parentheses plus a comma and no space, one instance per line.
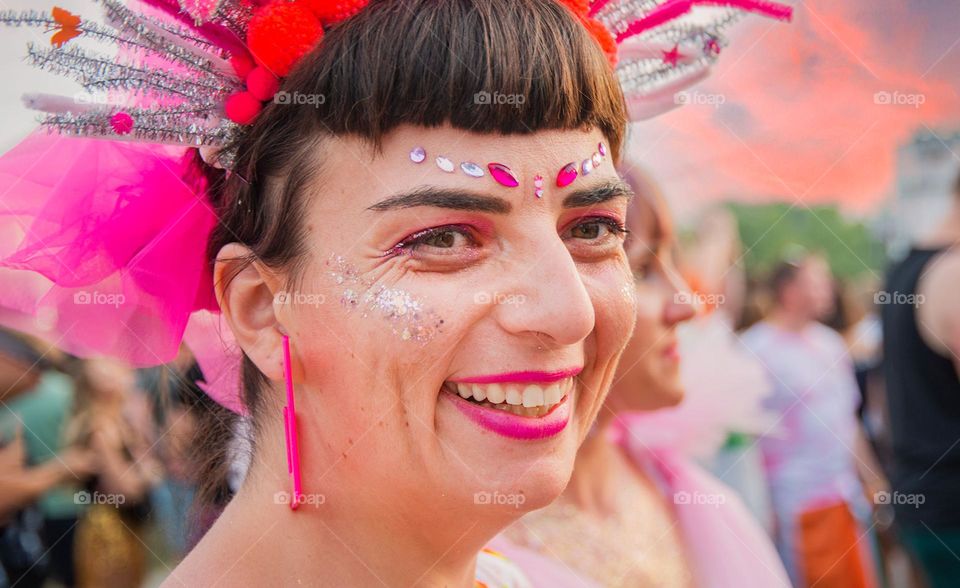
(245,293)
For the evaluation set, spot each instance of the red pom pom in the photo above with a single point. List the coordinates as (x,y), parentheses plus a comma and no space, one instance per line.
(262,84)
(579,7)
(603,38)
(242,64)
(279,34)
(242,108)
(333,11)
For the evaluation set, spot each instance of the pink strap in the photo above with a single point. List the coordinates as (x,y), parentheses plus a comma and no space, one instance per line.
(676,8)
(290,428)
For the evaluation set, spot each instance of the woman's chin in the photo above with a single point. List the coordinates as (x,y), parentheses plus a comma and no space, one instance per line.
(514,462)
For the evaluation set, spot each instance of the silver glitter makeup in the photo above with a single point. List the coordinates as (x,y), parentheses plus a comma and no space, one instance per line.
(404,313)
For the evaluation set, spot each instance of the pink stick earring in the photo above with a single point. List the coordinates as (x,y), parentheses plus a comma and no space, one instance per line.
(290,429)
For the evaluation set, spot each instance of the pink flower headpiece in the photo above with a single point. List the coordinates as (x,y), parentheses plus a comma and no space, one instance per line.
(114,234)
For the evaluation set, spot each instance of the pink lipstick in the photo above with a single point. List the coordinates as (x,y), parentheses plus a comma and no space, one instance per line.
(507,424)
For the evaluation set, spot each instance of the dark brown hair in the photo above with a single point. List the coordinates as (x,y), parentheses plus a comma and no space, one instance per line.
(419,62)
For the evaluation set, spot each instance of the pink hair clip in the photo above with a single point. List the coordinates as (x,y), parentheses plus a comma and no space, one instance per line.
(290,429)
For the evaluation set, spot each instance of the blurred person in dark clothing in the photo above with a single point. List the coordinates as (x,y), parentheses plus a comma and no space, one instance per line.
(921,334)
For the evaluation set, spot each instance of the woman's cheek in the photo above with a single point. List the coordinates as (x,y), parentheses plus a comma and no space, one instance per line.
(616,303)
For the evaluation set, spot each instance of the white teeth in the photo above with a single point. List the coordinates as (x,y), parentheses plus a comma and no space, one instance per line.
(533,396)
(496,393)
(552,395)
(479,394)
(529,400)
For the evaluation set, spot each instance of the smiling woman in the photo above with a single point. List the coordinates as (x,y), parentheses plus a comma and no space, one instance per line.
(470,328)
(406,214)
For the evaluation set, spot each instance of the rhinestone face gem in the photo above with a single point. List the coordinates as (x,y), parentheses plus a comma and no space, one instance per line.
(586,167)
(567,175)
(471,169)
(418,155)
(503,175)
(445,164)
(601,148)
(538,192)
(597,160)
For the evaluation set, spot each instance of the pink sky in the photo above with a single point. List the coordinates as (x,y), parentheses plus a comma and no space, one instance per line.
(799,118)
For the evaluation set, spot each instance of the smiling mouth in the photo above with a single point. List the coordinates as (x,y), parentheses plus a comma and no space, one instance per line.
(525,400)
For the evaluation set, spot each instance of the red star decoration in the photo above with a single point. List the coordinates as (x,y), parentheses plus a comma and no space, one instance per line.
(672,56)
(713,46)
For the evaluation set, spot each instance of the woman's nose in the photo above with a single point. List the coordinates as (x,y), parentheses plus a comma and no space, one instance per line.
(681,302)
(549,298)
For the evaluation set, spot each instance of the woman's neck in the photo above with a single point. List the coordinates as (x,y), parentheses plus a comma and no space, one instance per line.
(259,542)
(594,483)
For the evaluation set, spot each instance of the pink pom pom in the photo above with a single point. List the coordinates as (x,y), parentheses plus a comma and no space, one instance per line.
(280,34)
(122,123)
(242,64)
(242,108)
(262,84)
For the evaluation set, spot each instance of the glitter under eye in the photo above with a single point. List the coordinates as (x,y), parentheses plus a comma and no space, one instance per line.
(406,314)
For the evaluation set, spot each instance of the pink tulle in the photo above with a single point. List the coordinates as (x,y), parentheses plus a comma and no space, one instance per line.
(111,259)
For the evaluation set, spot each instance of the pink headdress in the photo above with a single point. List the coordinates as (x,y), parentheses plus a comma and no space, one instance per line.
(115,223)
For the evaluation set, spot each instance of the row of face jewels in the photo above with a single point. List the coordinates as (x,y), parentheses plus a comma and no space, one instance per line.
(505,176)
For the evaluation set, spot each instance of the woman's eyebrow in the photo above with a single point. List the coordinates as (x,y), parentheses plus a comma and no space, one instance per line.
(459,199)
(444,198)
(597,194)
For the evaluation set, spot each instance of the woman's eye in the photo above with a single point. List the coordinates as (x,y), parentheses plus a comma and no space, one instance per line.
(597,228)
(446,239)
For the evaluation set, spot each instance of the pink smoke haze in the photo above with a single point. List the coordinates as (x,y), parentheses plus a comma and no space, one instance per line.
(813,110)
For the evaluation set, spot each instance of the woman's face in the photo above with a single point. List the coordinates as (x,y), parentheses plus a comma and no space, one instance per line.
(421,286)
(648,377)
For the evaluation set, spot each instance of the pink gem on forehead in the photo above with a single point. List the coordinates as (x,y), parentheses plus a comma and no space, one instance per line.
(503,175)
(567,175)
